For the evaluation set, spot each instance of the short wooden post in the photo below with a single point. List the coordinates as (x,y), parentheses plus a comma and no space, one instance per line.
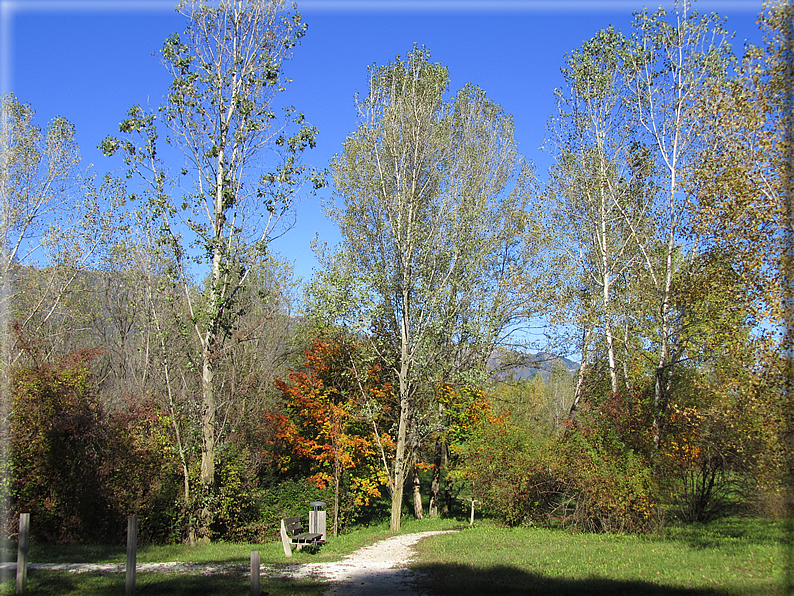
(472,500)
(22,552)
(255,589)
(132,555)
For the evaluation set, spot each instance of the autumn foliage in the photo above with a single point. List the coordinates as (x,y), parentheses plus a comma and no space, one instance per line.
(331,425)
(80,469)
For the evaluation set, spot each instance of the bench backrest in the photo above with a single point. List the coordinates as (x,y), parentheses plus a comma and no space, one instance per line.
(293,525)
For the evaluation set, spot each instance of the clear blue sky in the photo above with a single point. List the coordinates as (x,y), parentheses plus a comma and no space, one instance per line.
(90,60)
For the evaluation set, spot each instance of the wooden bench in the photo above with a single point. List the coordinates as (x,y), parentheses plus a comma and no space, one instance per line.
(292,533)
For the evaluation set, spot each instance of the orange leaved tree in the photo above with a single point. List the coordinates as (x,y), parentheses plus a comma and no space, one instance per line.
(331,423)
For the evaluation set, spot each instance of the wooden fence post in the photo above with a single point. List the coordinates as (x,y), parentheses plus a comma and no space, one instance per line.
(471,500)
(255,589)
(22,552)
(132,555)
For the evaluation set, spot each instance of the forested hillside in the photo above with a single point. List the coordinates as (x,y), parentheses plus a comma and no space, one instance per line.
(603,348)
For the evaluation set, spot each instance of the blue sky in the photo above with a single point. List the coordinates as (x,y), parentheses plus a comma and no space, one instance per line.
(90,60)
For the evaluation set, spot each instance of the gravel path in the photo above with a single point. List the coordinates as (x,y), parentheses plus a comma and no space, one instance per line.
(376,570)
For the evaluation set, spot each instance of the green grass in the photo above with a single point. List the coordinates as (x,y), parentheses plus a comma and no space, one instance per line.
(52,583)
(734,557)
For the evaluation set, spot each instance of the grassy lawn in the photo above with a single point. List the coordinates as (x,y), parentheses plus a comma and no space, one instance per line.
(51,583)
(733,557)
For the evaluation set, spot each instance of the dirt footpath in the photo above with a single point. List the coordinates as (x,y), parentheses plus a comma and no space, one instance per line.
(376,570)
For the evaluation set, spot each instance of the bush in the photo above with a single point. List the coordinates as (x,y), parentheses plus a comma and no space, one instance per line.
(56,450)
(288,498)
(509,471)
(81,472)
(605,490)
(140,474)
(703,465)
(234,503)
(559,481)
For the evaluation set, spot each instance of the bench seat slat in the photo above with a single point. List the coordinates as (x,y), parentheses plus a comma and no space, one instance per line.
(307,537)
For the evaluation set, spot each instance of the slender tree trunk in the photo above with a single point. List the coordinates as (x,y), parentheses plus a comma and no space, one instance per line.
(336,492)
(179,446)
(399,464)
(210,347)
(215,316)
(577,394)
(418,509)
(446,495)
(613,373)
(662,380)
(435,483)
(606,279)
(208,420)
(400,467)
(5,361)
(191,533)
(626,352)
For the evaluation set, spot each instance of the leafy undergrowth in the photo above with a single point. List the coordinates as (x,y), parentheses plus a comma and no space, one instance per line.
(734,557)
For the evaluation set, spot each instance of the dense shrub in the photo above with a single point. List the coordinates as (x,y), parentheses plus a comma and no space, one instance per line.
(507,470)
(140,474)
(703,465)
(56,451)
(234,504)
(80,471)
(288,498)
(605,490)
(561,481)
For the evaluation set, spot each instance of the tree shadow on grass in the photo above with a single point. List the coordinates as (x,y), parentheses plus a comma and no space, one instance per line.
(463,580)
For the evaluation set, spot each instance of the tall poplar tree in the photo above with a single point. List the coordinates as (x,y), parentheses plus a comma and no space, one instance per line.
(598,188)
(431,207)
(678,57)
(242,167)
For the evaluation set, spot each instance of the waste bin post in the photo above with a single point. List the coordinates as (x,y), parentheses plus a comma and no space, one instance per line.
(317,524)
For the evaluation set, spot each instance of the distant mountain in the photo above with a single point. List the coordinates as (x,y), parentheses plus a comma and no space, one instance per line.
(508,364)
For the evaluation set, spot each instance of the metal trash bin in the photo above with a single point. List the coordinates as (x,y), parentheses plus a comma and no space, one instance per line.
(317,523)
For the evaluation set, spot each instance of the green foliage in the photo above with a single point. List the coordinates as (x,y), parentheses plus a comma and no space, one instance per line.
(234,503)
(139,472)
(39,178)
(542,405)
(56,452)
(505,467)
(605,490)
(584,480)
(718,443)
(231,504)
(288,498)
(78,471)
